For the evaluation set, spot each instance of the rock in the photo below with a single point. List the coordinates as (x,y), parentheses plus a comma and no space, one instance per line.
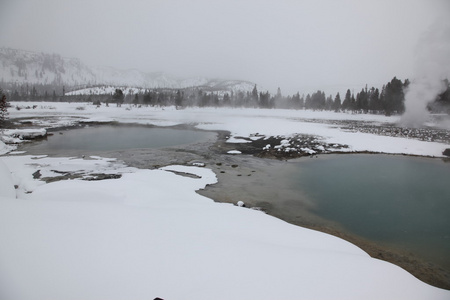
(37,174)
(241,204)
(446,152)
(102,176)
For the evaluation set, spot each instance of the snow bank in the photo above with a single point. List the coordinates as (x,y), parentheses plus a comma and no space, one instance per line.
(148,234)
(4,148)
(22,168)
(6,182)
(18,135)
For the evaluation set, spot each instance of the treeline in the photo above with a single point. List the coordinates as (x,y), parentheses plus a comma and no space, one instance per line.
(389,100)
(32,92)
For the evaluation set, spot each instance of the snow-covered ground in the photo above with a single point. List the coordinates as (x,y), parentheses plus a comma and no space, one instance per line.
(148,234)
(240,122)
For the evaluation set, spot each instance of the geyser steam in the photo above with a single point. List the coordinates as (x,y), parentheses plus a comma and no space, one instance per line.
(432,66)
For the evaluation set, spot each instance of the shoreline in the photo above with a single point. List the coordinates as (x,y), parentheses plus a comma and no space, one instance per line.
(231,171)
(240,180)
(243,167)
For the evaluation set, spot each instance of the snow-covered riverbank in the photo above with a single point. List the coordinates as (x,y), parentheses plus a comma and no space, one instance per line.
(148,234)
(240,122)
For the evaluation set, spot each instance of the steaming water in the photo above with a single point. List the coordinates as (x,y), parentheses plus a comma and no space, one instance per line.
(112,138)
(399,201)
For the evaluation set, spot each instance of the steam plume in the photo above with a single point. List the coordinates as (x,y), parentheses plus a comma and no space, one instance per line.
(432,66)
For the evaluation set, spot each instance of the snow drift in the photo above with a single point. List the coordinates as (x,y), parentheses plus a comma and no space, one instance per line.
(139,237)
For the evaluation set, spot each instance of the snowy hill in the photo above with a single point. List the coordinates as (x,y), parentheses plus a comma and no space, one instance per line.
(20,66)
(26,67)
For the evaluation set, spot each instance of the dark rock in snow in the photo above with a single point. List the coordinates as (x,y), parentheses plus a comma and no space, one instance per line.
(37,174)
(446,152)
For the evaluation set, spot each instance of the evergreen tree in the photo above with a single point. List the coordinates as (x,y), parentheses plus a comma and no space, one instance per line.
(347,100)
(264,100)
(215,100)
(297,102)
(329,103)
(147,98)
(362,101)
(374,100)
(118,97)
(318,100)
(240,99)
(226,100)
(352,102)
(337,103)
(3,108)
(179,99)
(394,97)
(136,99)
(254,96)
(308,103)
(15,96)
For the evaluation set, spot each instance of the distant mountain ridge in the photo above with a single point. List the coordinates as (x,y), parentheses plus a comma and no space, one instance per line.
(37,68)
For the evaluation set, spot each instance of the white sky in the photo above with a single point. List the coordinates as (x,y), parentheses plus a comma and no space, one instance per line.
(296,45)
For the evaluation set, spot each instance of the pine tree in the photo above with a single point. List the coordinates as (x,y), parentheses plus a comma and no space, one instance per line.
(337,103)
(179,99)
(118,97)
(374,100)
(3,108)
(255,98)
(226,99)
(136,99)
(347,100)
(394,97)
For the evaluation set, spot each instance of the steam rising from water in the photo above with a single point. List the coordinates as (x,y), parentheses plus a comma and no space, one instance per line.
(432,66)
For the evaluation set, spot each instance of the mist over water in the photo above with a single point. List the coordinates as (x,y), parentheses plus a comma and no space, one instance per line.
(432,66)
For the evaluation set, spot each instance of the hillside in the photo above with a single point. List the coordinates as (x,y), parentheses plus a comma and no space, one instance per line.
(21,67)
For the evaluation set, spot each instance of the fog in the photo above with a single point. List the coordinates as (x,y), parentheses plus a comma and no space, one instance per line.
(432,66)
(295,45)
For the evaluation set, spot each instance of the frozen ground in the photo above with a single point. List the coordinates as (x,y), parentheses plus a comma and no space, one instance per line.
(148,234)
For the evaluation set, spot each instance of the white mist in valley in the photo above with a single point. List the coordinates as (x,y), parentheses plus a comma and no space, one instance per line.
(432,66)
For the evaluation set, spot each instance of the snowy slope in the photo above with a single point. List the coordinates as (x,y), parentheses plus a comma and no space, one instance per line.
(21,67)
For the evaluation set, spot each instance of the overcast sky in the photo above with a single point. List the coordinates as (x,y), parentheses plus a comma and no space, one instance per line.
(296,45)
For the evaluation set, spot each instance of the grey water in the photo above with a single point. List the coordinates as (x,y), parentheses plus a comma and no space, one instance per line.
(399,201)
(112,138)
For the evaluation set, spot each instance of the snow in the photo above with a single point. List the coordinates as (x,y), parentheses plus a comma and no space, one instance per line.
(234,152)
(267,147)
(6,182)
(138,237)
(307,150)
(4,148)
(149,234)
(18,135)
(242,123)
